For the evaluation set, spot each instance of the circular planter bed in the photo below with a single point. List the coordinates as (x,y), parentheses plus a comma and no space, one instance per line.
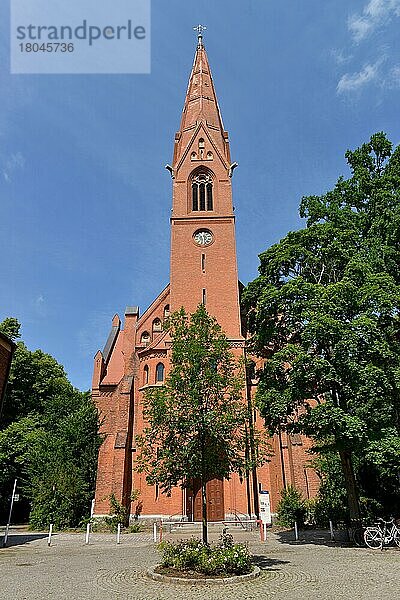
(159,573)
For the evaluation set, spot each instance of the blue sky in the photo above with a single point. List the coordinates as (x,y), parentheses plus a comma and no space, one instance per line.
(85,199)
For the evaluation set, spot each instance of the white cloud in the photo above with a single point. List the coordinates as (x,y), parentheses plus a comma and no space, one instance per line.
(394,77)
(14,163)
(39,305)
(375,13)
(340,57)
(351,82)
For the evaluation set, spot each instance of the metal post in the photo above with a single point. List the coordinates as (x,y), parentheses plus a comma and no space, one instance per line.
(260,523)
(87,533)
(331,530)
(296,532)
(50,534)
(9,515)
(155,532)
(119,533)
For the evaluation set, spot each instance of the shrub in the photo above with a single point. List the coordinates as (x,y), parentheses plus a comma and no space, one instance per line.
(291,507)
(103,525)
(225,558)
(311,506)
(118,514)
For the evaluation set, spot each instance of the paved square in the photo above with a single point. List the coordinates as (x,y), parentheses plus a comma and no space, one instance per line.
(313,568)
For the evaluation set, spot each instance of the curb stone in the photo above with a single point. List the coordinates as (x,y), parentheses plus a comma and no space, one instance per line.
(188,581)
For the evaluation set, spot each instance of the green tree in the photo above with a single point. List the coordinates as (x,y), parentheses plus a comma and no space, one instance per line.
(36,378)
(196,422)
(17,442)
(330,503)
(61,471)
(10,327)
(324,312)
(48,440)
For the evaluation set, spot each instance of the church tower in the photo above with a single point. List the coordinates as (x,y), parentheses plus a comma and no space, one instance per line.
(203,247)
(203,270)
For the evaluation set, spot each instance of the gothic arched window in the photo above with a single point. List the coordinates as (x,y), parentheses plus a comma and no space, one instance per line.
(202,192)
(157,325)
(159,373)
(145,338)
(146,375)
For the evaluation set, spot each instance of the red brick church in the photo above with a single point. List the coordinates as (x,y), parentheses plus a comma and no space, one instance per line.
(136,355)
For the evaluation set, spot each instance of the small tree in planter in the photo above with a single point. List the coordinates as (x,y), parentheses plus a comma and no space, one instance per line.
(197,422)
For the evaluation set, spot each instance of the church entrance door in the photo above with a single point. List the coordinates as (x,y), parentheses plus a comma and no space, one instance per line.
(215,501)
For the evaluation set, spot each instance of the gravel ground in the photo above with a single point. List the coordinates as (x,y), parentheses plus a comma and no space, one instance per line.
(313,568)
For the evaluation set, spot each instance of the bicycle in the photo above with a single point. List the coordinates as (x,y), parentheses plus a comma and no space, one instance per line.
(356,535)
(384,533)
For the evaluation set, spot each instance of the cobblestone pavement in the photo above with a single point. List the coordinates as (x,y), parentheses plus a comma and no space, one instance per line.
(312,568)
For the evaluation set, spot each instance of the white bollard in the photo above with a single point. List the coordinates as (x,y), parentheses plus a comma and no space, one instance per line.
(87,533)
(6,535)
(50,534)
(9,516)
(119,533)
(265,532)
(296,532)
(331,530)
(155,532)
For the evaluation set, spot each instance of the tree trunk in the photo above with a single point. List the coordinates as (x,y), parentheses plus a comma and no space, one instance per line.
(351,488)
(203,480)
(204,510)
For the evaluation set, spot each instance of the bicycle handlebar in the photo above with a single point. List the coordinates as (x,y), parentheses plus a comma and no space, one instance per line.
(387,522)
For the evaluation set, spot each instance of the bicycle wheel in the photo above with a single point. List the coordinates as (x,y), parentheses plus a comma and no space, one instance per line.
(357,536)
(396,537)
(373,537)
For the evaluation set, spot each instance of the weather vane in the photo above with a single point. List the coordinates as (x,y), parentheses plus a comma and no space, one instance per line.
(200,29)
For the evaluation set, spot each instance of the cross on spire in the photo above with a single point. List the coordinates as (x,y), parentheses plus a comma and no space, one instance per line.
(200,29)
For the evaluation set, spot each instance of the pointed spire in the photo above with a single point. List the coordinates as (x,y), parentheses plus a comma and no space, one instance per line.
(201,104)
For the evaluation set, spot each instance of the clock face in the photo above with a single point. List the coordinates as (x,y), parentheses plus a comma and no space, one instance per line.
(203,237)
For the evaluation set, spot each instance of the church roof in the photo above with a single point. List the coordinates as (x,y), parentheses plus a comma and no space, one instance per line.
(115,366)
(108,348)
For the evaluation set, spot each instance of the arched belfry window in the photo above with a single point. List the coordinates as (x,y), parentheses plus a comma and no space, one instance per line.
(202,192)
(157,325)
(145,338)
(160,373)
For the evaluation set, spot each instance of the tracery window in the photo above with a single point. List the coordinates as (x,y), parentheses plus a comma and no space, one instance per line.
(202,192)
